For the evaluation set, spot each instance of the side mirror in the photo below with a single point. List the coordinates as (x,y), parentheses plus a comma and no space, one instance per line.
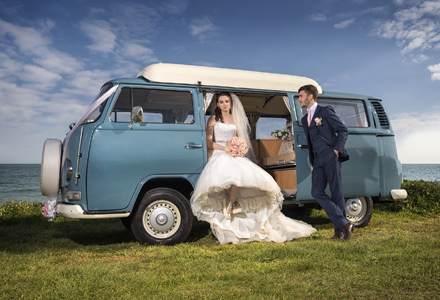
(137,115)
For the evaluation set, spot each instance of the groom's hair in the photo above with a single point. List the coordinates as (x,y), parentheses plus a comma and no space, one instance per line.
(310,89)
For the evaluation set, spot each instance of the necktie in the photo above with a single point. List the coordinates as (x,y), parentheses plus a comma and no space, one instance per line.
(309,116)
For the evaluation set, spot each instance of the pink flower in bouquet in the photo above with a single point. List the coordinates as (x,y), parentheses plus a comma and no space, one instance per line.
(236,147)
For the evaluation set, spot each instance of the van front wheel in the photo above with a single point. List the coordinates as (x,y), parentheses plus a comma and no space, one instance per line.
(359,210)
(163,217)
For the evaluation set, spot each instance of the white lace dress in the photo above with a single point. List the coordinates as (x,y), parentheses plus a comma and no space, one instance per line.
(259,196)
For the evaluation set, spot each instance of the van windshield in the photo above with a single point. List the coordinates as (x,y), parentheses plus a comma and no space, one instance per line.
(96,113)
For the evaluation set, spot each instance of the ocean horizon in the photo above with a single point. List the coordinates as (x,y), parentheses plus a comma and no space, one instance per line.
(21,182)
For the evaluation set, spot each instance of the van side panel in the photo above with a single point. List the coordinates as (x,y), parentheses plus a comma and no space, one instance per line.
(391,168)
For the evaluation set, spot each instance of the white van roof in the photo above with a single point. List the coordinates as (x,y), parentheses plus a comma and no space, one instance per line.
(208,76)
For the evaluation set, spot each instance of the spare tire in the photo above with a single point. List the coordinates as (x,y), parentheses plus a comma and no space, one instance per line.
(50,167)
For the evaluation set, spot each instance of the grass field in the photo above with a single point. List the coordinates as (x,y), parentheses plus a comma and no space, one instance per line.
(397,256)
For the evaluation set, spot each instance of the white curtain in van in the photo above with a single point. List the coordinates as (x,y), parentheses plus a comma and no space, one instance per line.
(286,101)
(207,98)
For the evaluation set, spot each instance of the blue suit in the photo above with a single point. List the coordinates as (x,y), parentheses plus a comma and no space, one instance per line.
(324,136)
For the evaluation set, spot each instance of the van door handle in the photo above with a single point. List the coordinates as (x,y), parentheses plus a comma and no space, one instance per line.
(193,146)
(303,146)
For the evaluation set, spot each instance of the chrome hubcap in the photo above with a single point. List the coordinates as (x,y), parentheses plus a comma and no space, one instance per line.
(161,219)
(355,208)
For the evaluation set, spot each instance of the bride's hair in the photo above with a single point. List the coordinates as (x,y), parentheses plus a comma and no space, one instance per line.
(218,111)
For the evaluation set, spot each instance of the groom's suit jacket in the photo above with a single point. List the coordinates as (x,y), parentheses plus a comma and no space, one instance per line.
(332,131)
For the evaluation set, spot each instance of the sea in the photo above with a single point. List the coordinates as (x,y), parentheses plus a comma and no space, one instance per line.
(21,182)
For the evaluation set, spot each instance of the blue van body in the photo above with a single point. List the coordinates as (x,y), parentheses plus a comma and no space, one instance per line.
(109,167)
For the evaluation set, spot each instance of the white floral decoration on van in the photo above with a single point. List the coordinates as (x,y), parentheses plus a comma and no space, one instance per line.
(281,134)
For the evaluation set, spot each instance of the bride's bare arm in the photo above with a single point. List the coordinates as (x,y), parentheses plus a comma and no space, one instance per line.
(210,135)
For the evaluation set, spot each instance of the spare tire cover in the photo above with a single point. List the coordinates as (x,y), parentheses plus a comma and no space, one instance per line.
(50,167)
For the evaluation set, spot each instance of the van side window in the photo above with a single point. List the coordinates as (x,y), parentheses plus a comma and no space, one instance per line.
(159,106)
(351,112)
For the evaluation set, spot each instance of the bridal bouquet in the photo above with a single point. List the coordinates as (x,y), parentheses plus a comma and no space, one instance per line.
(236,147)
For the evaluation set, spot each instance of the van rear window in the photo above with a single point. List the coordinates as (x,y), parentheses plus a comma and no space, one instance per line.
(351,112)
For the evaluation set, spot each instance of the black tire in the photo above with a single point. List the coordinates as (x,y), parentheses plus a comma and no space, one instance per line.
(359,210)
(163,217)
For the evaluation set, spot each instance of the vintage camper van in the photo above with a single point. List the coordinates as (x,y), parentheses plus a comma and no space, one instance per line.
(138,150)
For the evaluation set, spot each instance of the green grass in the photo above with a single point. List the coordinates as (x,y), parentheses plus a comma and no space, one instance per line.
(397,256)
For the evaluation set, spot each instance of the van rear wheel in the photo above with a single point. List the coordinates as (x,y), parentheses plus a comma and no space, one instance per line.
(359,210)
(163,217)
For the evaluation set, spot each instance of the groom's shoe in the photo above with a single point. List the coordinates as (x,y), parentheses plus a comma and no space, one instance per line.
(338,235)
(347,230)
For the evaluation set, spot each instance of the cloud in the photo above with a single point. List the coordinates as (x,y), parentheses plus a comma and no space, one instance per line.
(415,129)
(418,58)
(435,70)
(415,29)
(86,83)
(174,7)
(130,21)
(318,17)
(27,39)
(99,31)
(203,28)
(344,24)
(33,44)
(123,32)
(140,53)
(39,78)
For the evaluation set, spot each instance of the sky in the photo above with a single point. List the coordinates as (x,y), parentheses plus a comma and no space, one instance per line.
(55,56)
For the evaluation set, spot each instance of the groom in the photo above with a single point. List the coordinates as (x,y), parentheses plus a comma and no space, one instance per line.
(326,137)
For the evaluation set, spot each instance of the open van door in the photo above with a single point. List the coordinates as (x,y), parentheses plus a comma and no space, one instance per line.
(303,171)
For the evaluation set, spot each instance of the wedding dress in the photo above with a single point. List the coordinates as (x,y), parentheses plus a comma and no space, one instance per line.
(259,196)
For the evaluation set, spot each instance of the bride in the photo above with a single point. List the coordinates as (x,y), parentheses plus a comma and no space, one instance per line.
(236,197)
